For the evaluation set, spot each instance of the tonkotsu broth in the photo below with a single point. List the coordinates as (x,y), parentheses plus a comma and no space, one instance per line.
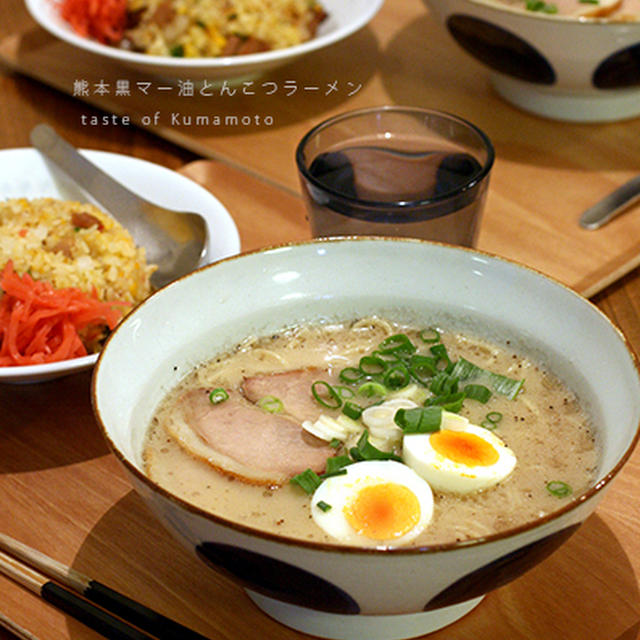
(545,427)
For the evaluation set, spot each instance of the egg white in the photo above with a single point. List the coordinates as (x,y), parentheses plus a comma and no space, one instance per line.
(445,474)
(339,491)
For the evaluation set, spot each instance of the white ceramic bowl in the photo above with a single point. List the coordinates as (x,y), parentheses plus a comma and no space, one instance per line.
(345,18)
(24,173)
(328,590)
(559,67)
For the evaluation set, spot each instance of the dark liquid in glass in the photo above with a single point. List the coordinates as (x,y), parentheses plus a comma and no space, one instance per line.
(385,175)
(381,175)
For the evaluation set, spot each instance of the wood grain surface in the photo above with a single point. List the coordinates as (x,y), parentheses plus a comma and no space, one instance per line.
(63,492)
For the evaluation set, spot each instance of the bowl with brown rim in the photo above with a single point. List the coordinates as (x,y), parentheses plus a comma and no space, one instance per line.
(341,591)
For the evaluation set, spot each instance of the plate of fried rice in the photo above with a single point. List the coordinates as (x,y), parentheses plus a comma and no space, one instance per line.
(68,270)
(202,39)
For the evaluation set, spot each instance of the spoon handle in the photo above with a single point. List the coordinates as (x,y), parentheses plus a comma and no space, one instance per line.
(612,205)
(117,199)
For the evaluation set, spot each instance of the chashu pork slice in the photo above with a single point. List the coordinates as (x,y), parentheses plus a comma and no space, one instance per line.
(292,388)
(242,440)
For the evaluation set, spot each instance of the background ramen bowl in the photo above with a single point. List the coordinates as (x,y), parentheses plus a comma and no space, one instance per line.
(341,592)
(560,67)
(344,19)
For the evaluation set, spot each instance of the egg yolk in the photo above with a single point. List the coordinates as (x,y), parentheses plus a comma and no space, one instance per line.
(464,448)
(383,511)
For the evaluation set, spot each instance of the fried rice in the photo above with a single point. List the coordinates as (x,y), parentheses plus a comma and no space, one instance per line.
(73,244)
(200,28)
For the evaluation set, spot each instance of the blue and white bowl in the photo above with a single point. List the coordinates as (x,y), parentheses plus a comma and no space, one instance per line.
(564,68)
(343,592)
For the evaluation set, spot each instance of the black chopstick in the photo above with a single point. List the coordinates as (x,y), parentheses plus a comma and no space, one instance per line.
(68,601)
(134,620)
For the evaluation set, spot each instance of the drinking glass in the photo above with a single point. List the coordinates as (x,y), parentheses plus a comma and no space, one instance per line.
(396,171)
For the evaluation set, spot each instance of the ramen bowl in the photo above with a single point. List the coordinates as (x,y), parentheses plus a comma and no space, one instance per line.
(347,592)
(557,66)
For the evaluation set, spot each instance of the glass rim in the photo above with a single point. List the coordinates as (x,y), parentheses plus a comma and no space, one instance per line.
(471,184)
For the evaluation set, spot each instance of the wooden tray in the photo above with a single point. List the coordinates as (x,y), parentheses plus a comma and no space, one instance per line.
(545,175)
(267,215)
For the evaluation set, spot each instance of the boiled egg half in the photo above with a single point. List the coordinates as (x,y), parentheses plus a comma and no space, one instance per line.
(381,503)
(459,458)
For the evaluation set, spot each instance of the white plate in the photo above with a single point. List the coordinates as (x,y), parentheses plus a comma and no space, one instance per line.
(344,19)
(25,174)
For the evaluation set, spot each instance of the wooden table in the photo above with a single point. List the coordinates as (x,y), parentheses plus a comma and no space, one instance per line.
(62,491)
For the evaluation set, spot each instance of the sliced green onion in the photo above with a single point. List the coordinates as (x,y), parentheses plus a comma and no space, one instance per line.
(443,384)
(466,370)
(491,420)
(309,480)
(271,404)
(326,395)
(430,335)
(419,420)
(352,410)
(506,386)
(335,443)
(177,51)
(218,395)
(364,450)
(503,385)
(370,365)
(422,368)
(396,377)
(323,506)
(398,343)
(540,5)
(344,392)
(389,357)
(441,355)
(370,389)
(448,401)
(351,375)
(559,489)
(336,464)
(477,392)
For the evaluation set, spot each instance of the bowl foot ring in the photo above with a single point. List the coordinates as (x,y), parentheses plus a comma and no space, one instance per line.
(570,106)
(335,626)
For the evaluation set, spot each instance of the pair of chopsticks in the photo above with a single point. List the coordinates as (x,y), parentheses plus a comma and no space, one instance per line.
(16,630)
(99,607)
